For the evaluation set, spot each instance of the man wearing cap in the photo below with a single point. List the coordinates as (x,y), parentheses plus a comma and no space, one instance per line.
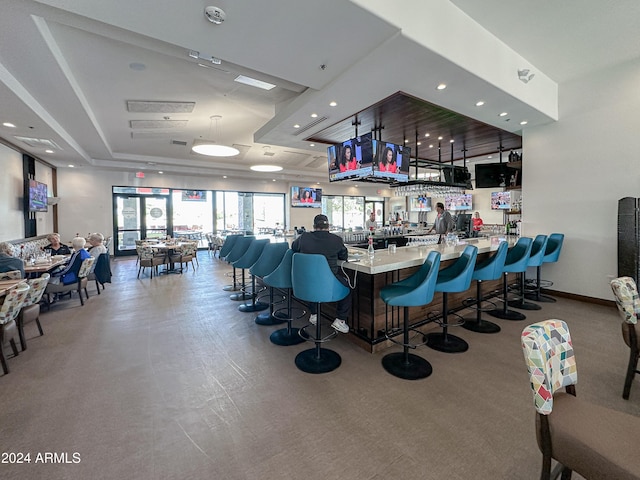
(321,241)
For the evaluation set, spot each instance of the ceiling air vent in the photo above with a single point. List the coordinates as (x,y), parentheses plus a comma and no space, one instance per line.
(39,142)
(158,123)
(298,131)
(139,106)
(179,143)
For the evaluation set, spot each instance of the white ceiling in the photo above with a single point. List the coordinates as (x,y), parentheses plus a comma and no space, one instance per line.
(68,68)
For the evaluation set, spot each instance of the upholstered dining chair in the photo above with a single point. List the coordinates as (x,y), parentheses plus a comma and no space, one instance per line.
(8,312)
(626,294)
(30,311)
(101,271)
(81,284)
(185,255)
(11,275)
(594,441)
(149,258)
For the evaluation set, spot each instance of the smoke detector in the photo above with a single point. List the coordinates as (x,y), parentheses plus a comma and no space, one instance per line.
(215,15)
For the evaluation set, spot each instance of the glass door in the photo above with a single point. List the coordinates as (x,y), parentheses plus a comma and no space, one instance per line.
(377,208)
(136,218)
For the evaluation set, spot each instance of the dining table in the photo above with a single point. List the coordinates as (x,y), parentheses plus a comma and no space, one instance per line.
(39,267)
(168,249)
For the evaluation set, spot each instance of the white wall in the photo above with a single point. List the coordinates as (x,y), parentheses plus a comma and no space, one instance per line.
(576,170)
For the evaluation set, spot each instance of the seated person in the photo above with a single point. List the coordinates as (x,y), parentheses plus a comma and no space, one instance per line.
(96,248)
(55,246)
(69,274)
(7,261)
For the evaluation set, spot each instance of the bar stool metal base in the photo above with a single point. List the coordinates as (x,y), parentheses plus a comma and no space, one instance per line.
(253,307)
(318,360)
(231,288)
(447,343)
(522,305)
(269,319)
(238,297)
(505,314)
(284,338)
(540,298)
(406,366)
(480,326)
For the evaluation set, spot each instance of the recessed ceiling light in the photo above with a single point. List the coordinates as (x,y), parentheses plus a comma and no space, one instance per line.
(490,156)
(356,186)
(442,86)
(317,183)
(314,115)
(406,141)
(427,134)
(524,122)
(333,104)
(48,151)
(503,114)
(273,180)
(70,166)
(253,82)
(10,125)
(296,126)
(439,138)
(419,143)
(265,168)
(312,144)
(160,172)
(224,176)
(430,146)
(451,141)
(480,103)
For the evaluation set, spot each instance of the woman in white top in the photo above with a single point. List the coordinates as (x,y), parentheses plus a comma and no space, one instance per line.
(96,248)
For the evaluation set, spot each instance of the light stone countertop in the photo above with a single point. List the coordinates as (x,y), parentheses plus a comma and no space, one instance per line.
(412,256)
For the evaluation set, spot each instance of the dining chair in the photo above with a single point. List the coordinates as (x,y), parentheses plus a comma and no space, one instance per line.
(8,312)
(11,275)
(81,284)
(102,271)
(30,311)
(594,441)
(149,258)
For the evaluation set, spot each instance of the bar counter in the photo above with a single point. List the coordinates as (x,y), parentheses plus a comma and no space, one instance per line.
(372,319)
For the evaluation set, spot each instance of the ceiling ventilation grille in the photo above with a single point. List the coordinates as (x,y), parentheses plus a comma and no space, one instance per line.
(38,142)
(179,143)
(158,123)
(138,106)
(300,130)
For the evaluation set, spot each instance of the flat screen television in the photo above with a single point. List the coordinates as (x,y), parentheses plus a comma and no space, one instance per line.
(37,196)
(391,161)
(420,204)
(501,200)
(306,197)
(456,203)
(194,195)
(489,175)
(351,159)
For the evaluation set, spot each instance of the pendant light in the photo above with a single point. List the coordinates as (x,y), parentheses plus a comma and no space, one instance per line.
(210,147)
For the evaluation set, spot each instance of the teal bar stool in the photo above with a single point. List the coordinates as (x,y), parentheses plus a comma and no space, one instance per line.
(228,244)
(280,278)
(551,255)
(488,269)
(535,260)
(239,248)
(414,291)
(269,260)
(516,262)
(313,281)
(454,278)
(250,256)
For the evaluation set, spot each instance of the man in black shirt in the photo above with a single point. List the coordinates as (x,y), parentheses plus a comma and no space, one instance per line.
(321,241)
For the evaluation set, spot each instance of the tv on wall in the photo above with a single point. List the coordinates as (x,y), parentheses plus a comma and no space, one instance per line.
(459,202)
(306,197)
(194,195)
(420,204)
(501,200)
(37,196)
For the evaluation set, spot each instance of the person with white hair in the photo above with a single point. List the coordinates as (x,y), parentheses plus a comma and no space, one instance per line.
(69,274)
(55,247)
(96,248)
(8,262)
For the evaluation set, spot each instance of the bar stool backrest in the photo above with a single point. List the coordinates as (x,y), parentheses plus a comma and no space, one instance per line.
(313,280)
(425,285)
(554,245)
(228,244)
(239,248)
(252,254)
(538,247)
(518,256)
(270,259)
(281,276)
(492,267)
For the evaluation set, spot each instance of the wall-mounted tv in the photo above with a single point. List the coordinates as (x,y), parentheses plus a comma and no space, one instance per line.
(351,159)
(306,197)
(420,204)
(194,195)
(458,202)
(501,200)
(391,161)
(37,196)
